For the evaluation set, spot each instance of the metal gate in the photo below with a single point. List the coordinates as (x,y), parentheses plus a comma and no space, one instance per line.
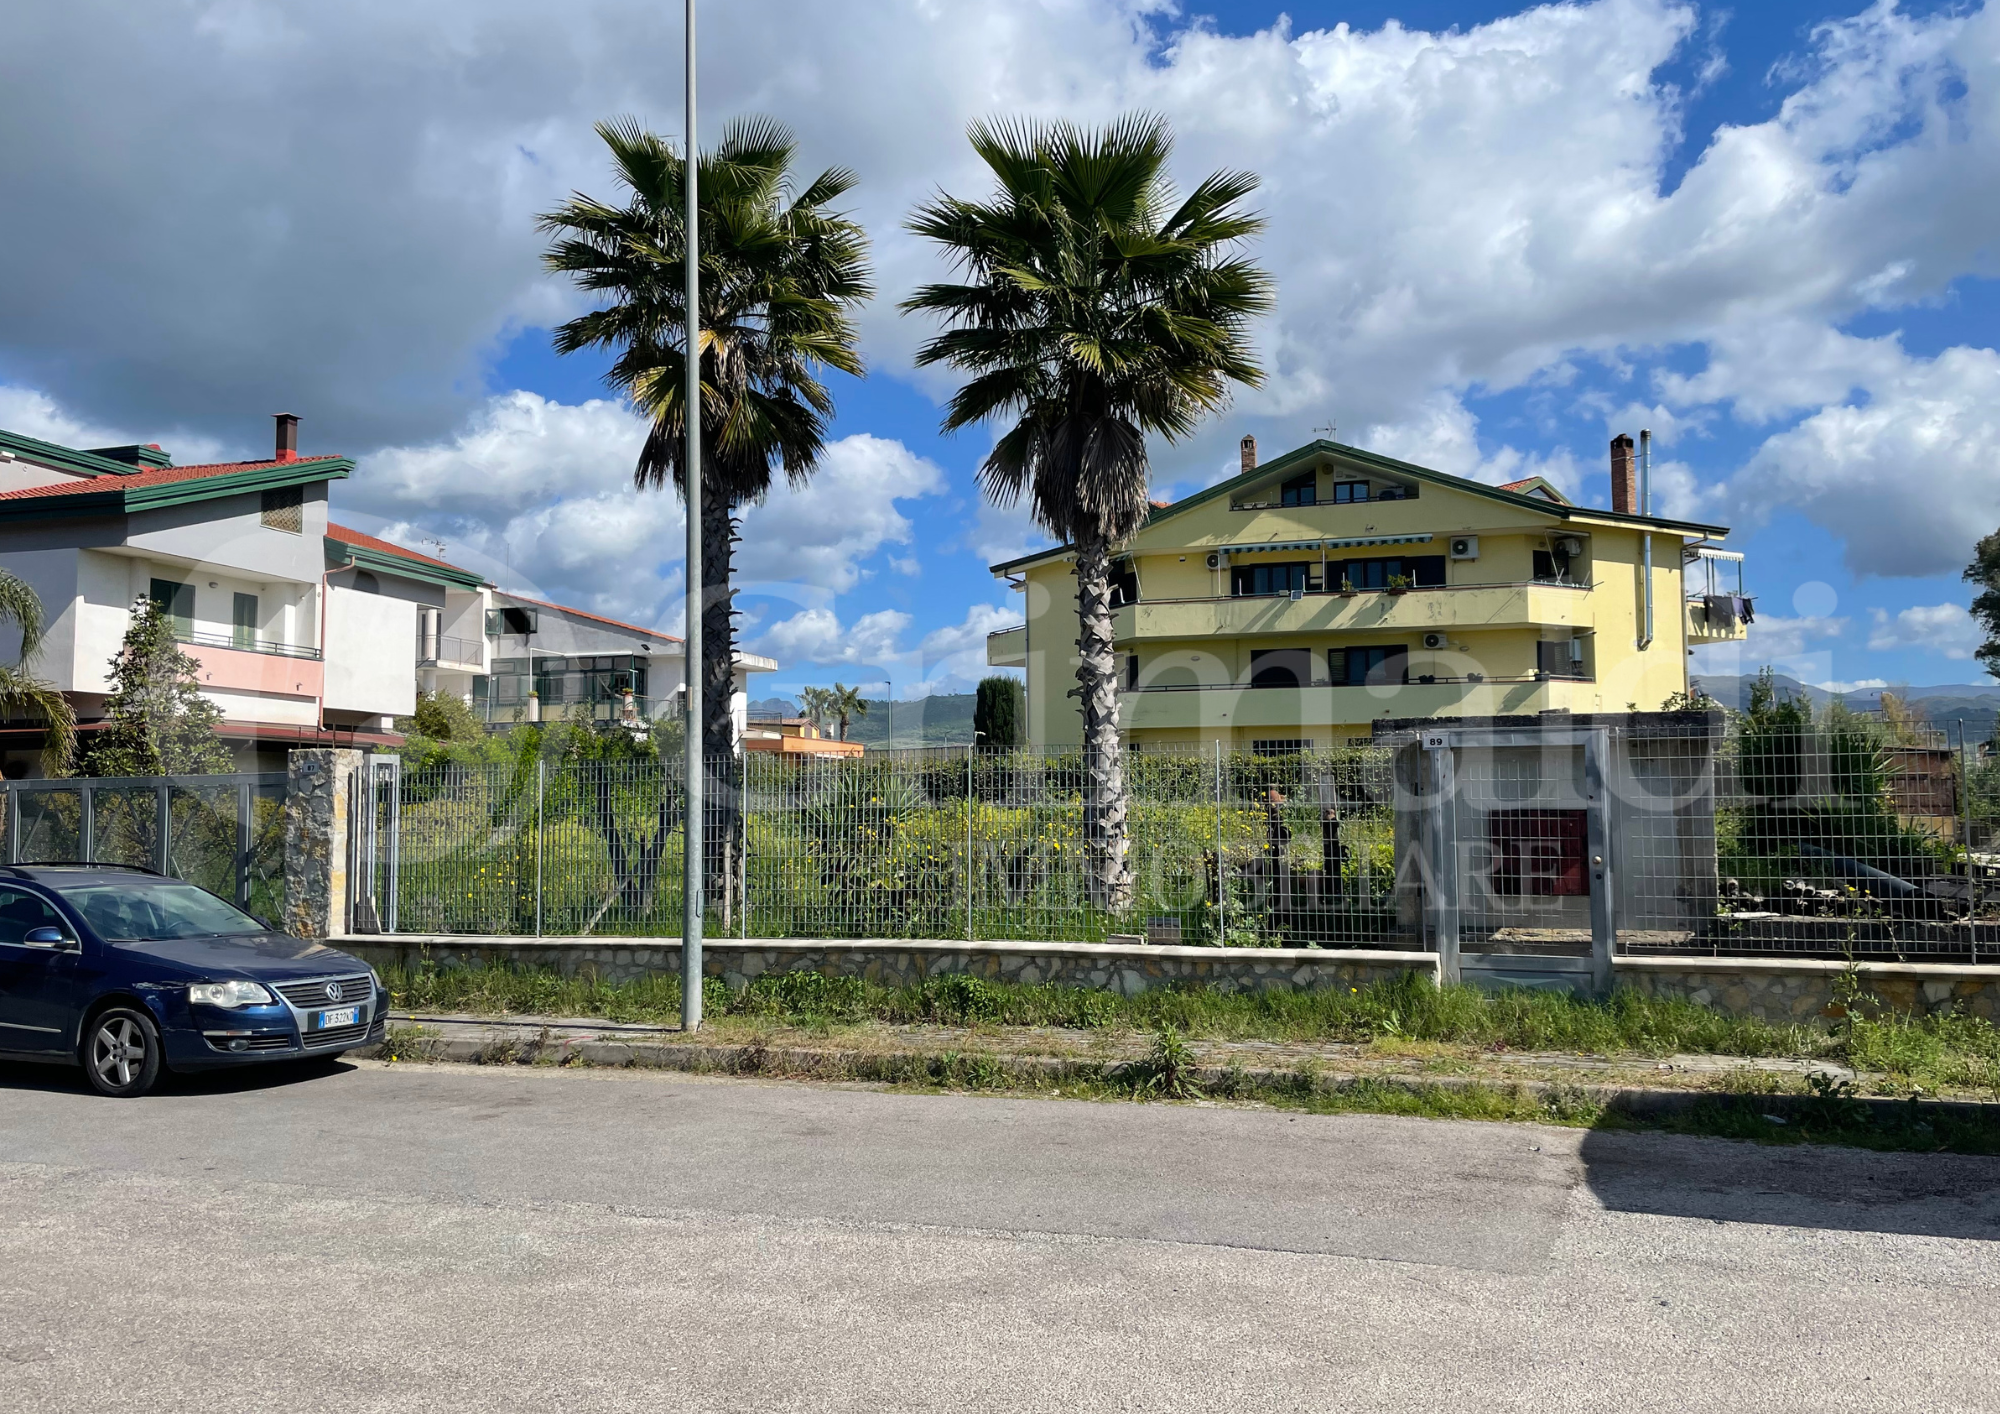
(1515,869)
(375,841)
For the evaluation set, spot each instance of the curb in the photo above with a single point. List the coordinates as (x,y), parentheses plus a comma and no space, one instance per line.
(812,1063)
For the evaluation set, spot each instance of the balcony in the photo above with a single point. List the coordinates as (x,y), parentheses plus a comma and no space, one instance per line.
(261,671)
(442,650)
(1719,618)
(246,643)
(1008,648)
(1472,606)
(1230,705)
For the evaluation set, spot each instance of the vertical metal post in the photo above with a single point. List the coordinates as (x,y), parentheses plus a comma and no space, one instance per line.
(1221,875)
(246,798)
(541,790)
(969,747)
(1442,828)
(392,767)
(1603,874)
(1971,869)
(13,825)
(693,828)
(87,846)
(164,819)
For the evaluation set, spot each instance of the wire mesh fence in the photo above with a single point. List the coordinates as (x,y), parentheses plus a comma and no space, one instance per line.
(223,832)
(933,844)
(1796,835)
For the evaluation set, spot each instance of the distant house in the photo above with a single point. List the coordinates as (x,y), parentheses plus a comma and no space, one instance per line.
(305,631)
(1295,604)
(797,737)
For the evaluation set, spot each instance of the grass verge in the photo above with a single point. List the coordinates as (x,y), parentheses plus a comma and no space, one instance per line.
(1907,1055)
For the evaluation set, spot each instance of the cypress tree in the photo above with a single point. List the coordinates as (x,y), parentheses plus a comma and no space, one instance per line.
(158,721)
(999,712)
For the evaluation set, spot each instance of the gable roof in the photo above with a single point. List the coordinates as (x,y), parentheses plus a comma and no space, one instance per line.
(1561,509)
(1537,486)
(124,490)
(594,618)
(348,546)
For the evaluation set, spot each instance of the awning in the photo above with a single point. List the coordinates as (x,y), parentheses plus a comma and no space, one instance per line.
(1268,545)
(1377,540)
(1702,552)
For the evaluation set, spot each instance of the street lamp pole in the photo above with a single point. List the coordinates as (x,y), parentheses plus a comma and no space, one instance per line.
(693,827)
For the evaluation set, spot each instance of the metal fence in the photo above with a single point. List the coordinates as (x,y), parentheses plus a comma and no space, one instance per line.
(1686,834)
(223,832)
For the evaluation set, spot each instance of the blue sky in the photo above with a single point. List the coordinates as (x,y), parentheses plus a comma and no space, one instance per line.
(1500,235)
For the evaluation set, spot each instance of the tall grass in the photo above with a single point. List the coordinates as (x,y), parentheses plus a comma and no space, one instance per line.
(1953,1051)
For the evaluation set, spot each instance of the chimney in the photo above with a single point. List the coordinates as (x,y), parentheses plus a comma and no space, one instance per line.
(288,436)
(1624,476)
(1247,452)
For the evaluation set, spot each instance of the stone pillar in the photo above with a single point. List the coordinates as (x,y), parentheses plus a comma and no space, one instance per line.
(318,854)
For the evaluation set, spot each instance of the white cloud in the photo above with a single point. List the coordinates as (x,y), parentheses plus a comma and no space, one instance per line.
(815,538)
(1945,629)
(954,658)
(818,636)
(1799,647)
(1906,479)
(538,496)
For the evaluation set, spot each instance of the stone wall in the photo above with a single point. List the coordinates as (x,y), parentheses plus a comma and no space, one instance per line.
(316,844)
(1773,989)
(1803,989)
(900,962)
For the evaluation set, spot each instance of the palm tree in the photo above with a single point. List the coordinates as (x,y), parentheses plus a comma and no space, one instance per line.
(816,704)
(846,703)
(781,274)
(23,696)
(1094,308)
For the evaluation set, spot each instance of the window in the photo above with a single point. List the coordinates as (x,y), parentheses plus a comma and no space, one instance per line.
(284,509)
(1281,667)
(1131,669)
(518,623)
(176,601)
(1124,583)
(1271,579)
(1300,490)
(1421,571)
(1538,852)
(1368,667)
(19,912)
(1396,493)
(1562,658)
(1348,492)
(1281,746)
(1552,567)
(243,621)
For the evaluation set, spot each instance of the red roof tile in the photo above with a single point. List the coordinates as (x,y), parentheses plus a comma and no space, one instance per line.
(599,618)
(346,535)
(84,485)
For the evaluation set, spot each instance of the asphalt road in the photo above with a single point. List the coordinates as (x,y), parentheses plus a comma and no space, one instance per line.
(460,1239)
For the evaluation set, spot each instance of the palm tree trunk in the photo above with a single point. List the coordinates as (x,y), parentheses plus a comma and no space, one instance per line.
(1104,799)
(724,777)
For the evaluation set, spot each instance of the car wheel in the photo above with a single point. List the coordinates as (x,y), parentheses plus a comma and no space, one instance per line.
(121,1053)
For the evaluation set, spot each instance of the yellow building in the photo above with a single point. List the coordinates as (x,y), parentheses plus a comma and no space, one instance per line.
(1299,601)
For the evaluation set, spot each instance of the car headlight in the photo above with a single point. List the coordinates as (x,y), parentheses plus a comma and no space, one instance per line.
(230,994)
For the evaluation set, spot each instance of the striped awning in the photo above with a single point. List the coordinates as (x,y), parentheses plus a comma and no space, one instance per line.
(1269,545)
(1360,540)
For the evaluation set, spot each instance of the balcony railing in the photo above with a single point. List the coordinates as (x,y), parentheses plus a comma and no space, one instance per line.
(438,648)
(1407,680)
(247,643)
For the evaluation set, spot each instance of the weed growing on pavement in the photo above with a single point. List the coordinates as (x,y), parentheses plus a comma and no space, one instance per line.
(1407,1015)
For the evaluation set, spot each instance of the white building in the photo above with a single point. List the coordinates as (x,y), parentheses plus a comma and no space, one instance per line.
(306,632)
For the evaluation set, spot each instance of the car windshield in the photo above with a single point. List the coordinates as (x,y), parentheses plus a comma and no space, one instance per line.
(126,913)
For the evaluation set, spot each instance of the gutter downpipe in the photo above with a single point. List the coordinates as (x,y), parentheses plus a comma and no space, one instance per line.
(1646,509)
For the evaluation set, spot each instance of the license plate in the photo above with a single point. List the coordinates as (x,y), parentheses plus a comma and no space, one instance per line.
(346,1016)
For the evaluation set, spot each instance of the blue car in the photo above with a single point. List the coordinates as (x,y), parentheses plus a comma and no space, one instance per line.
(126,972)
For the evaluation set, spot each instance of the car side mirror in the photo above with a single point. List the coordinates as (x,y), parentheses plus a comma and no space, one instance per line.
(45,937)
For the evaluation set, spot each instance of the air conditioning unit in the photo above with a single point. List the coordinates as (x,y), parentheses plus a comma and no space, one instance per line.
(1214,561)
(1435,640)
(1570,546)
(1465,547)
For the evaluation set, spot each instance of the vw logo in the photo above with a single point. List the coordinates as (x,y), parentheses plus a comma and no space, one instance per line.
(333,991)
